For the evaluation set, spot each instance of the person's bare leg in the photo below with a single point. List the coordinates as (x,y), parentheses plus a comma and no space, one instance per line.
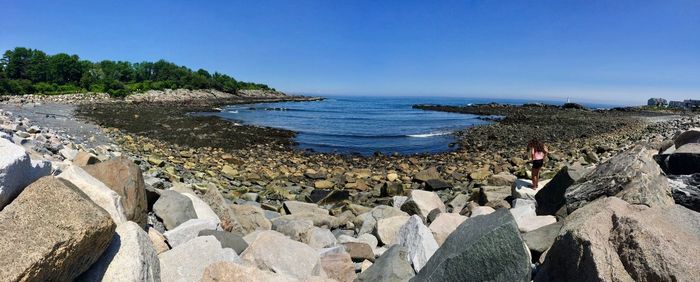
(535,177)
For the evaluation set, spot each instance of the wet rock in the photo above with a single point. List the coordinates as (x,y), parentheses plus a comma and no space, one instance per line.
(388,228)
(174,209)
(613,240)
(227,239)
(124,177)
(422,203)
(129,257)
(390,189)
(189,230)
(437,184)
(483,248)
(96,191)
(551,198)
(188,261)
(632,176)
(444,225)
(393,265)
(418,240)
(48,239)
(275,252)
(16,171)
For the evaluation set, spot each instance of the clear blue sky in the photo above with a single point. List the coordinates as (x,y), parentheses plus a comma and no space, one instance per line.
(589,50)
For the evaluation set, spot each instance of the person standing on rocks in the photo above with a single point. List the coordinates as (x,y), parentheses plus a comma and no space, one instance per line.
(538,151)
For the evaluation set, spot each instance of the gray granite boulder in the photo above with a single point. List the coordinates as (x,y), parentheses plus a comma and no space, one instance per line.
(418,240)
(633,176)
(174,209)
(540,239)
(189,230)
(483,248)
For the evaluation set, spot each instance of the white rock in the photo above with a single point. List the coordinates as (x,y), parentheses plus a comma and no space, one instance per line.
(16,171)
(521,188)
(525,216)
(97,191)
(130,257)
(189,230)
(419,241)
(187,261)
(201,208)
(444,225)
(388,228)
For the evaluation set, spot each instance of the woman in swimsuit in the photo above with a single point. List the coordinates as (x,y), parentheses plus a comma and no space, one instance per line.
(538,151)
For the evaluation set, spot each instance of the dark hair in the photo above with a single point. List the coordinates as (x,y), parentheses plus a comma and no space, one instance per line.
(536,144)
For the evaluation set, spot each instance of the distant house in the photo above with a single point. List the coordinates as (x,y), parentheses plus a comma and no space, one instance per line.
(658,102)
(689,104)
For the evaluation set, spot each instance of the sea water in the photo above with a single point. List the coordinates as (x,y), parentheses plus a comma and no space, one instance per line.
(364,125)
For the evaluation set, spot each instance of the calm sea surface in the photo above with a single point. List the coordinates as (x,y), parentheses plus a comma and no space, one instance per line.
(364,125)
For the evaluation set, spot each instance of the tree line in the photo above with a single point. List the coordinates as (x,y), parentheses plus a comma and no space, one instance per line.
(31,71)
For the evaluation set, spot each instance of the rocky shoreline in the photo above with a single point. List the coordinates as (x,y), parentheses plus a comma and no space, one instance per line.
(197,198)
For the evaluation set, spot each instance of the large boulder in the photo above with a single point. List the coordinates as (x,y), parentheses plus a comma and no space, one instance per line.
(522,189)
(296,207)
(174,209)
(189,230)
(391,266)
(388,228)
(52,232)
(124,177)
(501,179)
(16,171)
(444,225)
(633,176)
(104,197)
(613,240)
(551,198)
(418,240)
(201,208)
(188,261)
(421,203)
(483,248)
(275,252)
(524,213)
(689,136)
(130,257)
(685,160)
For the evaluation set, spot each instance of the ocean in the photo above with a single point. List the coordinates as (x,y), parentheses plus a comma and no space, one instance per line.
(365,125)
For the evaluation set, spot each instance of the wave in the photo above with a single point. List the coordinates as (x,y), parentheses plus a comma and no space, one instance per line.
(232,112)
(426,135)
